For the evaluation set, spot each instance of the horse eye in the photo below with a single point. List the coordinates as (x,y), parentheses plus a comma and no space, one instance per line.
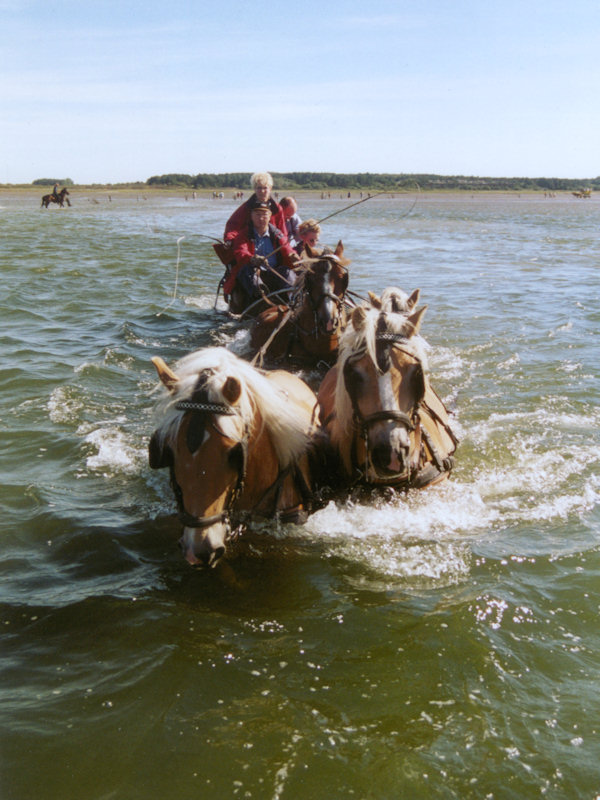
(235,457)
(356,376)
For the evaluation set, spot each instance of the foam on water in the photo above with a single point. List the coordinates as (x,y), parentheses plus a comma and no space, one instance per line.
(420,534)
(65,405)
(115,452)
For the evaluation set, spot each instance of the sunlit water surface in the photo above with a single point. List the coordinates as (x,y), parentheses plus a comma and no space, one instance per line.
(441,644)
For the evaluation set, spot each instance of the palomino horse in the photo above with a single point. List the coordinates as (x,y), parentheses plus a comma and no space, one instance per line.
(385,423)
(61,199)
(308,330)
(237,443)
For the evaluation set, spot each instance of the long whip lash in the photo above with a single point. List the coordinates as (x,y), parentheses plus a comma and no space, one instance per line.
(357,203)
(369,197)
(181,238)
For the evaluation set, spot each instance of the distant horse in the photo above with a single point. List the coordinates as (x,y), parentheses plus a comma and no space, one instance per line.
(385,423)
(61,199)
(307,330)
(237,442)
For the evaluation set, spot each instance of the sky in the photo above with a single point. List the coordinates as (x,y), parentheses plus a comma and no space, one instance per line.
(115,91)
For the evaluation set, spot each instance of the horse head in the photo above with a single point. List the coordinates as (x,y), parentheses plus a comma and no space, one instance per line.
(204,445)
(380,384)
(230,438)
(325,284)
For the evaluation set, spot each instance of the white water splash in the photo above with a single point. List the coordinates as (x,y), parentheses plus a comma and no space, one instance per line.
(63,406)
(419,535)
(114,453)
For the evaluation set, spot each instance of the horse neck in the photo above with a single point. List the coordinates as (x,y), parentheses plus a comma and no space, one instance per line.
(262,468)
(269,487)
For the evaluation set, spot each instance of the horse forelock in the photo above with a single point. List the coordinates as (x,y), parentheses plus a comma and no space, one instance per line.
(395,300)
(260,402)
(400,324)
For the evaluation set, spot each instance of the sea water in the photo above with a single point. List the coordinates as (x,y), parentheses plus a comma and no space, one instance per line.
(438,644)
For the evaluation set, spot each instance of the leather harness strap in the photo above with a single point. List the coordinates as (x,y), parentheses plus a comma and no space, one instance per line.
(411,422)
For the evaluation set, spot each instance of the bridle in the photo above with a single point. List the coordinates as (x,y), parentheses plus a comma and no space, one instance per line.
(324,295)
(411,421)
(363,422)
(201,523)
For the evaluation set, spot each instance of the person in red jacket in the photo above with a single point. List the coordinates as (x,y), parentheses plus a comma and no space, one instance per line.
(262,183)
(264,260)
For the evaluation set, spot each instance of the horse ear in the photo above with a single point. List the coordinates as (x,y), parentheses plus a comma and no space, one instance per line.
(414,321)
(413,299)
(339,252)
(375,301)
(159,456)
(359,315)
(232,389)
(167,377)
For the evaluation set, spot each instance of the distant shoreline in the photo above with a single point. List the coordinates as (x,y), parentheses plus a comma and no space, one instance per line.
(328,183)
(132,191)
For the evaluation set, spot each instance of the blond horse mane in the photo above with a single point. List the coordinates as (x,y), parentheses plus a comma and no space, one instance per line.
(283,420)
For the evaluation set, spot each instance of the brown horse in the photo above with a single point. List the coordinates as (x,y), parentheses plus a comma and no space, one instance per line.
(60,199)
(385,423)
(237,443)
(307,330)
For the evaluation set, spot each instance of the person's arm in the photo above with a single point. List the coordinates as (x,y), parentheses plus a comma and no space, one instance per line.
(243,249)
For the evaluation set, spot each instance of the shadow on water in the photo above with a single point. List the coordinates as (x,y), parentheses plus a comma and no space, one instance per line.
(176,335)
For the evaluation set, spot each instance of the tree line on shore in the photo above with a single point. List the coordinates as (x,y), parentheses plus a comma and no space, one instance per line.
(284,181)
(363,181)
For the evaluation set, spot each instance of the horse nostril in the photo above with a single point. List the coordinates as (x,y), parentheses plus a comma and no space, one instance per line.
(387,459)
(381,455)
(215,556)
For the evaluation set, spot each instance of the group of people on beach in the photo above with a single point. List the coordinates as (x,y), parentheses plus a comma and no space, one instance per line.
(264,241)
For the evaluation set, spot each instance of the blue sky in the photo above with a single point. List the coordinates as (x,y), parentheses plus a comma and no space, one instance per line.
(110,91)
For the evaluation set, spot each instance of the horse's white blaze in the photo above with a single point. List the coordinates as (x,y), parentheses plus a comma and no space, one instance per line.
(398,436)
(386,392)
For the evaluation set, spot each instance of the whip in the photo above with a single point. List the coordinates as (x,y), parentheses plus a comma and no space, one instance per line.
(181,238)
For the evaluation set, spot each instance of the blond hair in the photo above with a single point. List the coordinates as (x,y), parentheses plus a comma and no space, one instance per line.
(309,225)
(262,178)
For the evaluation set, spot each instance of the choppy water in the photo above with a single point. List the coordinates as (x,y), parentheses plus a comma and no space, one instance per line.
(445,644)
